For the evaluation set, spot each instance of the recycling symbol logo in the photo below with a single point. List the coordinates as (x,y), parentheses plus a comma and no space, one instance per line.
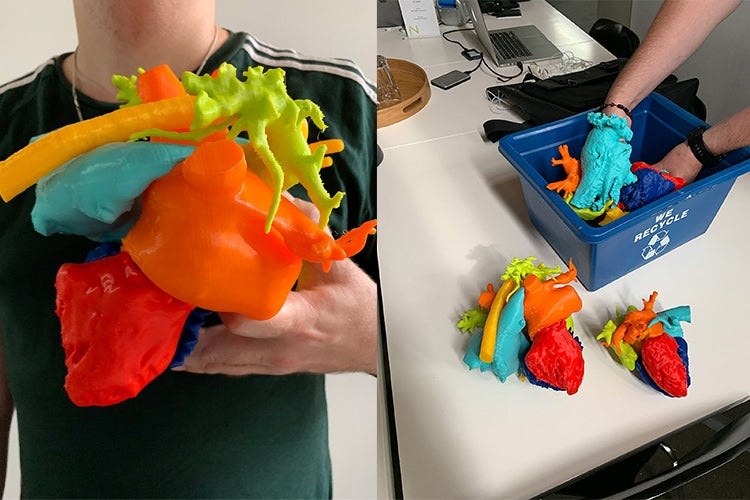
(656,245)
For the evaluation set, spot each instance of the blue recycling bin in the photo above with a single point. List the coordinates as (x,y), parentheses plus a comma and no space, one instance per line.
(604,254)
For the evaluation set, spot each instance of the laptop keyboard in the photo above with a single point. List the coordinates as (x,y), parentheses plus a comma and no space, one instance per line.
(508,45)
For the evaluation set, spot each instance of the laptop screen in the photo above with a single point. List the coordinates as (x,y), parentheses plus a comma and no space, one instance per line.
(481,28)
(515,44)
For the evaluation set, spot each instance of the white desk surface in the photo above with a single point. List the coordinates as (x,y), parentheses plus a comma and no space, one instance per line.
(451,215)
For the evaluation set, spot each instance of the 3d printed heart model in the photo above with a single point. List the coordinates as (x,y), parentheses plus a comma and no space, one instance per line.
(651,344)
(198,211)
(527,326)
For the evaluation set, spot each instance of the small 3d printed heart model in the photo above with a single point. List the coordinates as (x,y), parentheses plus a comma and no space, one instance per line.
(651,345)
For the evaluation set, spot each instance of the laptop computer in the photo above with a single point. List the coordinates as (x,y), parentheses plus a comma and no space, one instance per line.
(509,46)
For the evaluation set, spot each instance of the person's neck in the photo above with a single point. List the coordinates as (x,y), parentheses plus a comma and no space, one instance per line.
(116,42)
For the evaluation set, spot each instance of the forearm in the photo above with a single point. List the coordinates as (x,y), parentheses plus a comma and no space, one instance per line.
(679,28)
(729,134)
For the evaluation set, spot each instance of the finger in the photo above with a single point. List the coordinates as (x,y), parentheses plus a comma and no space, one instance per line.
(299,309)
(220,351)
(292,316)
(307,207)
(313,275)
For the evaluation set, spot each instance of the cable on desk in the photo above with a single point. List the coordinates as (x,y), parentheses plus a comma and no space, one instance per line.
(464,47)
(568,63)
(498,104)
(502,78)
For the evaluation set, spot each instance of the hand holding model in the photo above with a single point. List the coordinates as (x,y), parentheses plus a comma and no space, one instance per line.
(677,31)
(323,327)
(210,208)
(186,435)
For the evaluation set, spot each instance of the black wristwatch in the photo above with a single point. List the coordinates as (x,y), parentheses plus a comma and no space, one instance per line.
(701,151)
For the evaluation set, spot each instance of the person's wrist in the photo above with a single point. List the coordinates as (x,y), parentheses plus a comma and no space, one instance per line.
(680,162)
(613,108)
(702,152)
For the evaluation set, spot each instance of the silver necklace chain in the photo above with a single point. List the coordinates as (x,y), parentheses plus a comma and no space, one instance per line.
(75,71)
(210,50)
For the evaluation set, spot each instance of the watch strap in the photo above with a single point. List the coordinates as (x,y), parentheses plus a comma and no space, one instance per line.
(700,150)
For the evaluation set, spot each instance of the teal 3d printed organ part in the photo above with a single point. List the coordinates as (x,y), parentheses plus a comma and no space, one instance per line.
(605,162)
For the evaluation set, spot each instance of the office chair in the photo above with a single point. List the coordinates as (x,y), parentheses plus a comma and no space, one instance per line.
(615,37)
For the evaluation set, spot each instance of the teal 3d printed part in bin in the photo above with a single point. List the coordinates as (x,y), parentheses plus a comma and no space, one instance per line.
(604,254)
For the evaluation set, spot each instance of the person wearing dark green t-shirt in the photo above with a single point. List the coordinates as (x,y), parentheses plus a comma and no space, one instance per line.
(246,414)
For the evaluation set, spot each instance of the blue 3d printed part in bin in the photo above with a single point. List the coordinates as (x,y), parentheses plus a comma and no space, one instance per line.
(604,254)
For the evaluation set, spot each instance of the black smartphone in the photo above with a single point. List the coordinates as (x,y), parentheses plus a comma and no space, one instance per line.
(450,79)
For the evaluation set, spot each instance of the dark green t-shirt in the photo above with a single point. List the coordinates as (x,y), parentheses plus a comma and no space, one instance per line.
(184,435)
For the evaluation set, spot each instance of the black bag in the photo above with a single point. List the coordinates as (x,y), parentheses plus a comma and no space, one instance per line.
(544,101)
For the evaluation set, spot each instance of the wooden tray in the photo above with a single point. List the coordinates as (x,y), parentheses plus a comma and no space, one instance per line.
(414,88)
